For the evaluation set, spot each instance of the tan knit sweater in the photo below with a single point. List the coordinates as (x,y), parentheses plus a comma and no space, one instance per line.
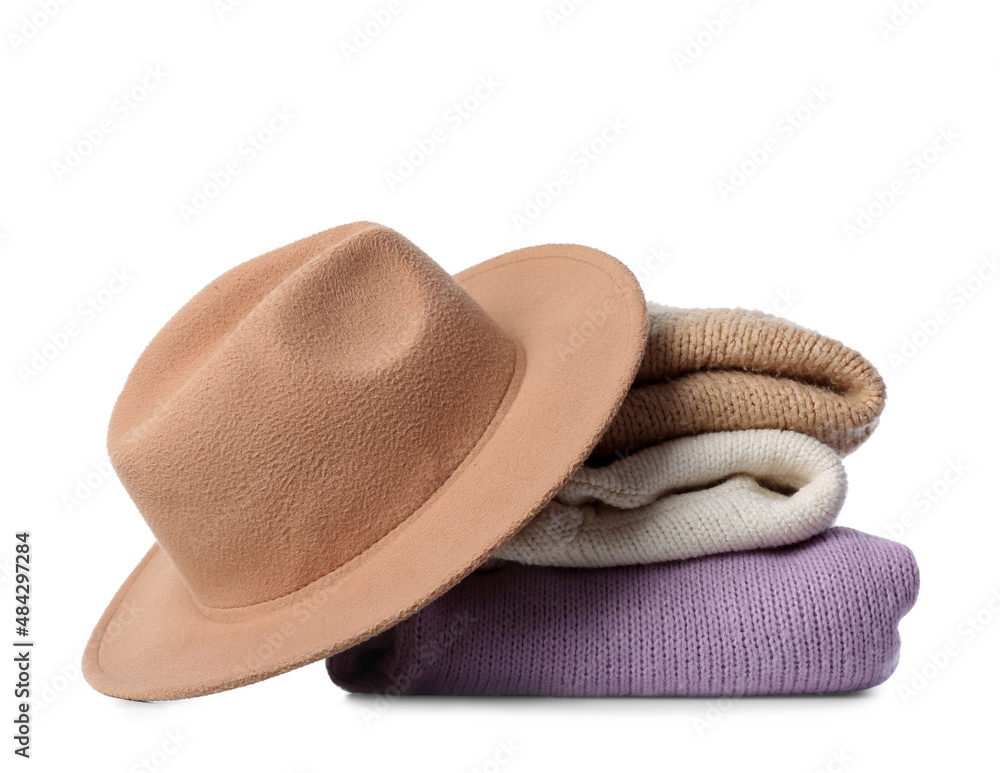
(707,370)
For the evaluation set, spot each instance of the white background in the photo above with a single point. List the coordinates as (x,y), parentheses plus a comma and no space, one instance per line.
(777,242)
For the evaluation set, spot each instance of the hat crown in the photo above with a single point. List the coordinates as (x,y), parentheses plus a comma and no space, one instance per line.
(302,406)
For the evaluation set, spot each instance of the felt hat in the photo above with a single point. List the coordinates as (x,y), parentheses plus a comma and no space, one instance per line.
(328,437)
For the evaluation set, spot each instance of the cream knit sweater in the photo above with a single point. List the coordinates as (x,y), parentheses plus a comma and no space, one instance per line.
(715,492)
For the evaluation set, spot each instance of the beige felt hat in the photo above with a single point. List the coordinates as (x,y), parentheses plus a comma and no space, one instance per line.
(329,436)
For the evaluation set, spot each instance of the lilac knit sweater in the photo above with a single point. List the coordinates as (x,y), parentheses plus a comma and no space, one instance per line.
(815,617)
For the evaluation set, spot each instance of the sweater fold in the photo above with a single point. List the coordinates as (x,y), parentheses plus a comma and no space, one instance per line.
(712,370)
(716,492)
(817,617)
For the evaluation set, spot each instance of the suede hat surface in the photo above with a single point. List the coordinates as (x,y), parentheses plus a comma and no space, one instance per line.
(328,437)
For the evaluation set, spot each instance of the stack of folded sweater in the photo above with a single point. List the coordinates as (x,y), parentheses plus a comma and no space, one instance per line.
(693,554)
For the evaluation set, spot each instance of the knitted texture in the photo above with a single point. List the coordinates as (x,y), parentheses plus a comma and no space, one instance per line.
(712,493)
(816,617)
(708,370)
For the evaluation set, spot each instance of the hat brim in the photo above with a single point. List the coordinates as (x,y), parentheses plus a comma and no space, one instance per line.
(580,320)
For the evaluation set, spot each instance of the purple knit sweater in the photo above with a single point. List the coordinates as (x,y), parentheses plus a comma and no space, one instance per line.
(815,617)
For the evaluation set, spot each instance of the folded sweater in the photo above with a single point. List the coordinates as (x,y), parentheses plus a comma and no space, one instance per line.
(710,370)
(716,492)
(816,617)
